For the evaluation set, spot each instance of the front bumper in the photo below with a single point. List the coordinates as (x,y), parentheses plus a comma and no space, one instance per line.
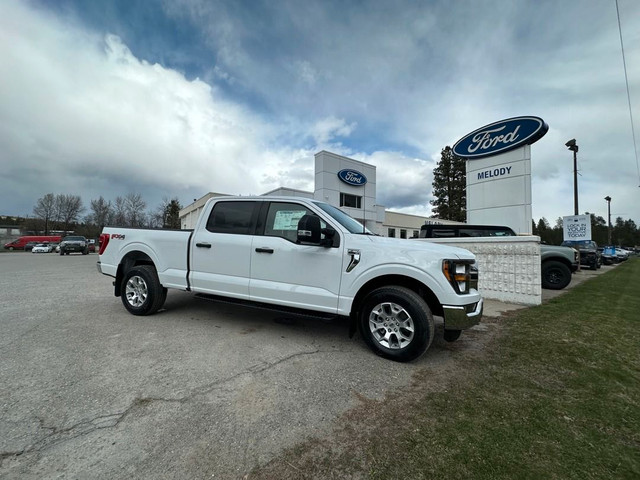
(461,317)
(73,248)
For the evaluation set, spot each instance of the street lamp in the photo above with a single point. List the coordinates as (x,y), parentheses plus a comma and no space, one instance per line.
(571,145)
(608,199)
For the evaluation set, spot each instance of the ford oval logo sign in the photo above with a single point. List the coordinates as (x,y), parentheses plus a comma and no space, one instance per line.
(500,137)
(352,177)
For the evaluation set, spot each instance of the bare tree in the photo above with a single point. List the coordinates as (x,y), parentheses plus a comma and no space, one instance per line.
(45,209)
(69,208)
(119,213)
(134,208)
(101,212)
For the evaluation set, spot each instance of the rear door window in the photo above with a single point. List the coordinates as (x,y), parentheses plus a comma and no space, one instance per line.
(233,217)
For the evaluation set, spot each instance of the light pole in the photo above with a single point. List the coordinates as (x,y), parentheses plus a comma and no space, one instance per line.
(608,199)
(571,145)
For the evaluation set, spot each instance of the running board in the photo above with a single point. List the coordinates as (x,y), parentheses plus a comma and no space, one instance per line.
(298,312)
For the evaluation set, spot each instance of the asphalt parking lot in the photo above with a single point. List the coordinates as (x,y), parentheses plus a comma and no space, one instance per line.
(198,390)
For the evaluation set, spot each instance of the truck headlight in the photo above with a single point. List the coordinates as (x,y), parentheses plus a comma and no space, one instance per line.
(461,274)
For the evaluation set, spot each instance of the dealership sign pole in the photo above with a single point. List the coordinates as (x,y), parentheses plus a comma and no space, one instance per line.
(499,171)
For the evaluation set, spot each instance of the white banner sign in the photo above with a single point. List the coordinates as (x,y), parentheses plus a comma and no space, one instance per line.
(577,227)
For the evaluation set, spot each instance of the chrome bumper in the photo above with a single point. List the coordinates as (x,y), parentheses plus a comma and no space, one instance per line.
(462,317)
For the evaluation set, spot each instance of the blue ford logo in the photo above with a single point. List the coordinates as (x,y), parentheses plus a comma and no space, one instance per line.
(352,177)
(500,137)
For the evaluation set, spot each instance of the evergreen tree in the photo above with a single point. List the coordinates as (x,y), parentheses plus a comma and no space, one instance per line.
(171,217)
(449,187)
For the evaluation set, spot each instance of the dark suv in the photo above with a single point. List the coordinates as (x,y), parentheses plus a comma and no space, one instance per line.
(589,254)
(74,244)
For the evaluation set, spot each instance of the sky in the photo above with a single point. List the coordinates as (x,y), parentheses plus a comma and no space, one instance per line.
(179,98)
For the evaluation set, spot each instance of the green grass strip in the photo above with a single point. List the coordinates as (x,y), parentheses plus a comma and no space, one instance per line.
(557,397)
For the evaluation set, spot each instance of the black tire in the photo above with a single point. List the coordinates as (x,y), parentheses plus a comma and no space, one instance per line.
(555,275)
(396,323)
(141,291)
(452,335)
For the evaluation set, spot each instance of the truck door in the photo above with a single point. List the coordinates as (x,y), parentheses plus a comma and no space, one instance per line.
(286,273)
(221,251)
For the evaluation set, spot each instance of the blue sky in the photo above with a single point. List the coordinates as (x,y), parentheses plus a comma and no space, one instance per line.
(179,98)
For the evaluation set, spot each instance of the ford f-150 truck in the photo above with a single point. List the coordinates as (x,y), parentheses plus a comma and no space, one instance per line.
(300,254)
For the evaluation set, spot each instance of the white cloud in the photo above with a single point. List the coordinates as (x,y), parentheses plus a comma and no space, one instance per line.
(81,114)
(326,129)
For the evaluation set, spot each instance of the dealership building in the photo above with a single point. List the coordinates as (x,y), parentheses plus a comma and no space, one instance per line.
(345,183)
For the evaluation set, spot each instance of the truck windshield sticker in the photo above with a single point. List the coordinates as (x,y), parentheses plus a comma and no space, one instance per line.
(287,219)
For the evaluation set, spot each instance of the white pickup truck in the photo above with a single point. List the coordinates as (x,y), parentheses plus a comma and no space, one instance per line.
(299,254)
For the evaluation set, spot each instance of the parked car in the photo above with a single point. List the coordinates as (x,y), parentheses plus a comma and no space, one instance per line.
(622,254)
(607,255)
(29,246)
(589,255)
(40,248)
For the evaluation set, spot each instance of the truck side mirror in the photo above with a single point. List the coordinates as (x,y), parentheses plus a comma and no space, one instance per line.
(309,230)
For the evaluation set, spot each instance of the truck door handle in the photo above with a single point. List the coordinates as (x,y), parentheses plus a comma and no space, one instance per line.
(264,250)
(203,245)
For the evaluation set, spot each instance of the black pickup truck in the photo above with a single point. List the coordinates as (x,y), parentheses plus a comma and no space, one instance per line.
(589,254)
(74,244)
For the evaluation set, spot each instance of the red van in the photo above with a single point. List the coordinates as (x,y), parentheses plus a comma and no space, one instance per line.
(19,243)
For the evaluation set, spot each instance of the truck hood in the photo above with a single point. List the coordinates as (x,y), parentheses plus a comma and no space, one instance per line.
(408,247)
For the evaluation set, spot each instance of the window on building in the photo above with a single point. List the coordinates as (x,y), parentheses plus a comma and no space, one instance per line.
(232,217)
(391,232)
(352,201)
(403,233)
(416,234)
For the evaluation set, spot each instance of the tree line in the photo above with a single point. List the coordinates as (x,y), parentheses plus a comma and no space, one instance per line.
(450,203)
(65,213)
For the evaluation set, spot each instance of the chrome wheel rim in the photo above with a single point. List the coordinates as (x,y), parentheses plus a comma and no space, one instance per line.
(391,325)
(136,291)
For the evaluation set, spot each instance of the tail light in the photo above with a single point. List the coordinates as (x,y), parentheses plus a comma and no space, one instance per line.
(104,240)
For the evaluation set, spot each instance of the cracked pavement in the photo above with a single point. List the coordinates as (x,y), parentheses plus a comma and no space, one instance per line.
(198,390)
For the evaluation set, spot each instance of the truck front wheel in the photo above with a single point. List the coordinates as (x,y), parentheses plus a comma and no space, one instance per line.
(555,275)
(142,293)
(396,323)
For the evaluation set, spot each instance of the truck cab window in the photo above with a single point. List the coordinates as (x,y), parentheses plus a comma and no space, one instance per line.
(282,220)
(232,217)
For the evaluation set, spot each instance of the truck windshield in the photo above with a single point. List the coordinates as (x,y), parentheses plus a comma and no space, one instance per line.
(343,219)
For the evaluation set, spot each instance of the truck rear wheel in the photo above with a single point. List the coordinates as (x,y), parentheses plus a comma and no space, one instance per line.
(142,293)
(396,323)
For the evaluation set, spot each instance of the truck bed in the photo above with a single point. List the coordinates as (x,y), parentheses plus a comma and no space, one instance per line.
(167,249)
